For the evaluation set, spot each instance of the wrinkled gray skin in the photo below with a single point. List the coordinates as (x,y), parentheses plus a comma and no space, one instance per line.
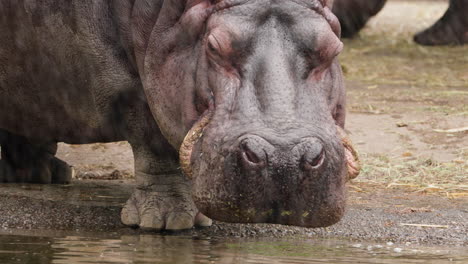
(83,71)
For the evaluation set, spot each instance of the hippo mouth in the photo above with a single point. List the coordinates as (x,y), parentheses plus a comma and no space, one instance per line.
(276,194)
(353,164)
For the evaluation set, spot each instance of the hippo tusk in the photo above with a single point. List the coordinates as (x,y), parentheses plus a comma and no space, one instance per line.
(194,134)
(352,159)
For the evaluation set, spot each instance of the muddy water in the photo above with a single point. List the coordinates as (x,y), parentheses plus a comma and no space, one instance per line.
(109,248)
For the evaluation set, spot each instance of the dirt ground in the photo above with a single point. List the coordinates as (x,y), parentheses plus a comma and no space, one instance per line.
(407,115)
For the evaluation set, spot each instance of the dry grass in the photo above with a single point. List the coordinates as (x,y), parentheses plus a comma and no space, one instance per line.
(392,68)
(422,174)
(385,53)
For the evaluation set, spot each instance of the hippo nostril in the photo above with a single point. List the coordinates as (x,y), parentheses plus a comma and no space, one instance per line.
(252,150)
(317,161)
(249,155)
(313,155)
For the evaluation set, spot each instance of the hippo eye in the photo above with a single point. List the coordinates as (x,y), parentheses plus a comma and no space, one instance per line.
(213,45)
(219,53)
(321,60)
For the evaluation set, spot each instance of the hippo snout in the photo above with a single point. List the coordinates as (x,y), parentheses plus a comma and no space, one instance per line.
(255,153)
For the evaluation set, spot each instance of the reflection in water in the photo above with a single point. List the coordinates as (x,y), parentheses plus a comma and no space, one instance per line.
(185,249)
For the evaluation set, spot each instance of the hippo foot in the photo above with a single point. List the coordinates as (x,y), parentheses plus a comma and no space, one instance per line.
(61,171)
(449,30)
(155,210)
(49,170)
(7,173)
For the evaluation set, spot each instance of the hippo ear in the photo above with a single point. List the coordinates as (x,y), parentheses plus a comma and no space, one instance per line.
(191,3)
(327,3)
(331,18)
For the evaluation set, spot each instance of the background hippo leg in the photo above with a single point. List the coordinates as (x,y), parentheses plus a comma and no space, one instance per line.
(450,29)
(28,161)
(354,14)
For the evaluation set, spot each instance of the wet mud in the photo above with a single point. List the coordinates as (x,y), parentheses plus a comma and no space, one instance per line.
(373,214)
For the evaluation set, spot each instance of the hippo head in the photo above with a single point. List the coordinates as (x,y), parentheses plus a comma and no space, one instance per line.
(252,94)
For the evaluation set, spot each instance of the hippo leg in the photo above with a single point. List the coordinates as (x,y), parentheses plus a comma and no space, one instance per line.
(354,14)
(450,29)
(162,199)
(28,161)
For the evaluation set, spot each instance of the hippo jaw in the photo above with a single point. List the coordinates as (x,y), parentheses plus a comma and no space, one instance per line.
(262,196)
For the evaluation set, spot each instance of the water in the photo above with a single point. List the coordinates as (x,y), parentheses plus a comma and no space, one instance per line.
(112,248)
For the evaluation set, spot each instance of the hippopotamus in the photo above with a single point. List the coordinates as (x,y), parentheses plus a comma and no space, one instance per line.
(450,29)
(234,109)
